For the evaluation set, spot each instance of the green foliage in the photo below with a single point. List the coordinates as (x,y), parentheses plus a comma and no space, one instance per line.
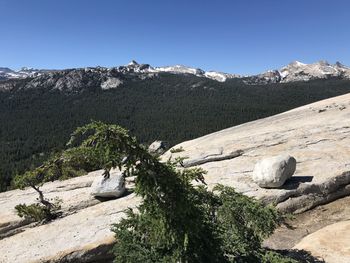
(170,215)
(38,212)
(37,121)
(177,150)
(57,167)
(244,223)
(169,226)
(216,231)
(273,257)
(177,221)
(115,147)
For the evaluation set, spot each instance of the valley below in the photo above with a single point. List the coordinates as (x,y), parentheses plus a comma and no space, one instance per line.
(38,111)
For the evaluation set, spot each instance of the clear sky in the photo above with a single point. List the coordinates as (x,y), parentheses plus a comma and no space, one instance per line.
(242,36)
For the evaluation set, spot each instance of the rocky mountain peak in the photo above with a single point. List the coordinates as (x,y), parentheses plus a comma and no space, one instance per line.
(26,69)
(296,63)
(340,65)
(133,63)
(323,63)
(298,71)
(5,70)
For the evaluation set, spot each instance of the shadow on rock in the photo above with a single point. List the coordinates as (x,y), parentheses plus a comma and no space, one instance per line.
(295,181)
(104,199)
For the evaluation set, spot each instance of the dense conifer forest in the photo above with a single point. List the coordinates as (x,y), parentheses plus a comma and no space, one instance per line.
(171,107)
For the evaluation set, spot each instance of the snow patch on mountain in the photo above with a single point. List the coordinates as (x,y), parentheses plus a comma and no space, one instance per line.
(135,67)
(7,73)
(180,69)
(298,71)
(220,76)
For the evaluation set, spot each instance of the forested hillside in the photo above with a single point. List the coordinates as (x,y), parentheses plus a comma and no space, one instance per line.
(168,107)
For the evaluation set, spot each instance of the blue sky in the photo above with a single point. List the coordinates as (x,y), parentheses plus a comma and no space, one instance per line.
(232,36)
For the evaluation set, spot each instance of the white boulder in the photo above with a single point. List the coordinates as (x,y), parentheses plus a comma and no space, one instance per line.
(114,186)
(273,172)
(157,147)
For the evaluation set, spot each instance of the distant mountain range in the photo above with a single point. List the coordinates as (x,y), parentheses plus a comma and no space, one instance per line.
(113,77)
(24,72)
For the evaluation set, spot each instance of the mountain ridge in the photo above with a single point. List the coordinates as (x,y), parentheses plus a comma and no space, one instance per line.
(298,71)
(294,71)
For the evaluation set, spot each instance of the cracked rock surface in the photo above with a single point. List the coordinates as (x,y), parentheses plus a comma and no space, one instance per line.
(317,135)
(306,232)
(331,243)
(82,235)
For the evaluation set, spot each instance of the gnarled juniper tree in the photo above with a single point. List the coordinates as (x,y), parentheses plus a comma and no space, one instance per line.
(70,163)
(44,209)
(176,221)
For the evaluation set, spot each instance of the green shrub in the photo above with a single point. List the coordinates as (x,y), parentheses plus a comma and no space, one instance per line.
(38,212)
(221,227)
(177,150)
(178,221)
(70,163)
(274,257)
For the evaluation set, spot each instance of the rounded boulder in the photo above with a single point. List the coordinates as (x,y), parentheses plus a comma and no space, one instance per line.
(114,186)
(274,171)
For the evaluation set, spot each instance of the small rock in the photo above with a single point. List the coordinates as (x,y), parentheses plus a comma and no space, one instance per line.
(158,147)
(114,186)
(273,172)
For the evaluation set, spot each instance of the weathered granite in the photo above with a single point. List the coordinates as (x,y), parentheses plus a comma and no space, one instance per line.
(158,147)
(84,236)
(331,243)
(75,194)
(273,172)
(301,225)
(112,186)
(317,135)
